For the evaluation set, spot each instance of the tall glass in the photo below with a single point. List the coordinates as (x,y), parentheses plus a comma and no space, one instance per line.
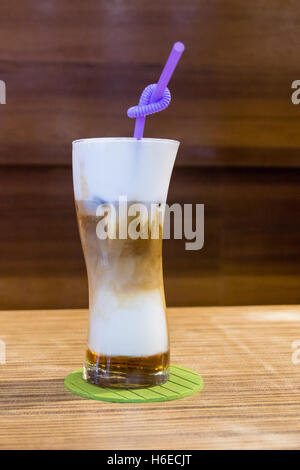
(128,343)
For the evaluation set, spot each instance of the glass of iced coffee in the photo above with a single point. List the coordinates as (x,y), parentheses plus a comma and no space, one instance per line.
(120,184)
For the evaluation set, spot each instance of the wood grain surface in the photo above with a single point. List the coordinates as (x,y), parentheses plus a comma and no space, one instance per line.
(251,397)
(73,68)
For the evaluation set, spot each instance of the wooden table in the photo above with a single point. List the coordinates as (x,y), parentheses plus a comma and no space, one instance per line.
(251,397)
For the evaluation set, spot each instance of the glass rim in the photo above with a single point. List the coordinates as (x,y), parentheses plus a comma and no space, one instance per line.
(124,139)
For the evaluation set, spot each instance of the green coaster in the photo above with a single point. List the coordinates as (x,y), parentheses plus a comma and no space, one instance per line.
(182,382)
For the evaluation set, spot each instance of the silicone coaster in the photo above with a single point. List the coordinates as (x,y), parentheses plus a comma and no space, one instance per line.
(182,382)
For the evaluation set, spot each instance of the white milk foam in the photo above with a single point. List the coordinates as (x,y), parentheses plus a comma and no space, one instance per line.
(103,170)
(137,327)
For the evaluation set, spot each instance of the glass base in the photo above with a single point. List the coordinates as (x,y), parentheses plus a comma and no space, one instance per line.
(107,378)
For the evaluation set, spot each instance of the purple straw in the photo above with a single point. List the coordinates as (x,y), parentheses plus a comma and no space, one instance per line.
(155,97)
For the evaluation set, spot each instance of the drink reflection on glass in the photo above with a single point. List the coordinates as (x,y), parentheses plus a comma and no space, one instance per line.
(128,344)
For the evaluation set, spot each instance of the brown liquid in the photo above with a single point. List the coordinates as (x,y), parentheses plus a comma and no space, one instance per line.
(124,371)
(136,264)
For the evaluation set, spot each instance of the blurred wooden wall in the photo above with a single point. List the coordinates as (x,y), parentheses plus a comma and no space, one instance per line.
(72,68)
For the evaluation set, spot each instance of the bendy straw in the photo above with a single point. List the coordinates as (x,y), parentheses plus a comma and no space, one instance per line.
(155,97)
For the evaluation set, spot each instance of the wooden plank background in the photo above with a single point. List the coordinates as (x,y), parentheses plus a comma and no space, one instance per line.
(73,68)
